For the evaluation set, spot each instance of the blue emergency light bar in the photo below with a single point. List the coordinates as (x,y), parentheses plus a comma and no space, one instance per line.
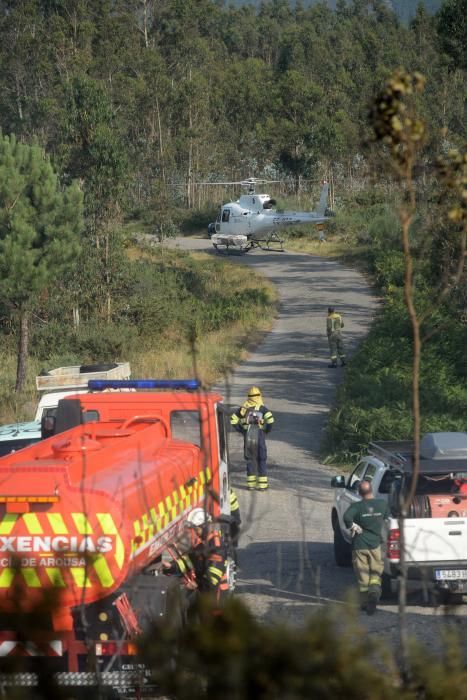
(101,384)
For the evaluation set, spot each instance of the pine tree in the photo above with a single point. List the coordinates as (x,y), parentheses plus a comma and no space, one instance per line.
(39,233)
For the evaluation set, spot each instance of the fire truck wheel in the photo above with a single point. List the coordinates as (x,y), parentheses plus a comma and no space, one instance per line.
(101,367)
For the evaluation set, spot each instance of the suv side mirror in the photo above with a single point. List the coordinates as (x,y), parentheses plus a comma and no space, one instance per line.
(338,482)
(47,426)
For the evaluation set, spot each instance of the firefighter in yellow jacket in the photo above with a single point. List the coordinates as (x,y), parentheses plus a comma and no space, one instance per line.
(334,325)
(253,420)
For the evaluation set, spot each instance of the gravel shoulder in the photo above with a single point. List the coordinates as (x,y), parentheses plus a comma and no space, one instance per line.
(286,555)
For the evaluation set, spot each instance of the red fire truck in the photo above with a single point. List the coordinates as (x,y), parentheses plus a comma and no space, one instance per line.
(86,513)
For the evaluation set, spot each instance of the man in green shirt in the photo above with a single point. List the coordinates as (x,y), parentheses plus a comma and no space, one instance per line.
(365,521)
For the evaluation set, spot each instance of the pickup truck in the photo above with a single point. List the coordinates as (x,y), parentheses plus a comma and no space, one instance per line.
(54,385)
(435,530)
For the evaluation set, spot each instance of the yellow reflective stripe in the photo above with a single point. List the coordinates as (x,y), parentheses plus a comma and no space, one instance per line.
(267,415)
(80,576)
(202,477)
(8,523)
(234,419)
(181,565)
(208,474)
(153,514)
(375,580)
(6,578)
(31,577)
(103,572)
(119,551)
(32,523)
(82,523)
(107,524)
(168,502)
(174,509)
(182,492)
(55,577)
(137,527)
(57,523)
(216,571)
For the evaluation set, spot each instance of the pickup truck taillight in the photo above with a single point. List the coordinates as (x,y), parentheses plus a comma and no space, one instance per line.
(394,544)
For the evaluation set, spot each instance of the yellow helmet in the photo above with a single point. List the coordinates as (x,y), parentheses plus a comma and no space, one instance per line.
(254,391)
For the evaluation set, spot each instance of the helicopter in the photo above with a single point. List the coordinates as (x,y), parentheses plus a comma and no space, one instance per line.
(253,221)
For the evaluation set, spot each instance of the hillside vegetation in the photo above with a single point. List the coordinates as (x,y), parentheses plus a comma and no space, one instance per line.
(404,9)
(137,101)
(178,315)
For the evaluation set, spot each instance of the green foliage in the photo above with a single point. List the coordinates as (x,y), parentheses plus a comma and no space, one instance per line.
(40,226)
(231,655)
(39,223)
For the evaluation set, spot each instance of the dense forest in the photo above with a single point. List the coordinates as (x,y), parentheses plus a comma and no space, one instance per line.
(404,9)
(137,101)
(131,96)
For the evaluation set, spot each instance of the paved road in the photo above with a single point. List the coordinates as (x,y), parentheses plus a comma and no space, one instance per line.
(286,555)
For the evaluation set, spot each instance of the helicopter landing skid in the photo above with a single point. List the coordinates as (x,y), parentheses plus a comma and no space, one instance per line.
(227,249)
(273,240)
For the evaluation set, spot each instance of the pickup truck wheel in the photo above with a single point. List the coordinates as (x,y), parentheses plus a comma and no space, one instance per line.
(342,550)
(447,598)
(387,592)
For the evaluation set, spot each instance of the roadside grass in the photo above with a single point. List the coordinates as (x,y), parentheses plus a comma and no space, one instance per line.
(180,315)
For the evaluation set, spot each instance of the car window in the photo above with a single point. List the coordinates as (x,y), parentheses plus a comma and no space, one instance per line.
(91,416)
(387,481)
(9,446)
(356,475)
(370,472)
(186,425)
(222,436)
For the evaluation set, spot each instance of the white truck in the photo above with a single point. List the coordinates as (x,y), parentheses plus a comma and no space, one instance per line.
(55,385)
(435,530)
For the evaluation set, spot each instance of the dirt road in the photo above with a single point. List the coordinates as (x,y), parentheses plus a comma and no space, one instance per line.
(286,555)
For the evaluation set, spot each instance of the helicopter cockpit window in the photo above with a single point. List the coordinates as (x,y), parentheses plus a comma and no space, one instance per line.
(225,215)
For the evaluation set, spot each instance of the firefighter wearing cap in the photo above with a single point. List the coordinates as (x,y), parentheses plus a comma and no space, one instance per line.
(200,556)
(255,417)
(334,324)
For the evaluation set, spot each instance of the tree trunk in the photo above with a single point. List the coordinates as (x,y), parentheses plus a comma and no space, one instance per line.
(76,318)
(22,351)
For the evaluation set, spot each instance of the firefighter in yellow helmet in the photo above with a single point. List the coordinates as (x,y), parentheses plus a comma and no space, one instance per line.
(334,324)
(253,420)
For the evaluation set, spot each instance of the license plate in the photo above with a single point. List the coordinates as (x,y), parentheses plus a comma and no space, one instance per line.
(450,574)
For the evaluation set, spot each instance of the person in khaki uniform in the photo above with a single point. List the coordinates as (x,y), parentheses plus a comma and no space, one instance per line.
(365,520)
(334,324)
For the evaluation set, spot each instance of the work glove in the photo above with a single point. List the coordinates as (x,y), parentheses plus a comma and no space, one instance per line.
(355,529)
